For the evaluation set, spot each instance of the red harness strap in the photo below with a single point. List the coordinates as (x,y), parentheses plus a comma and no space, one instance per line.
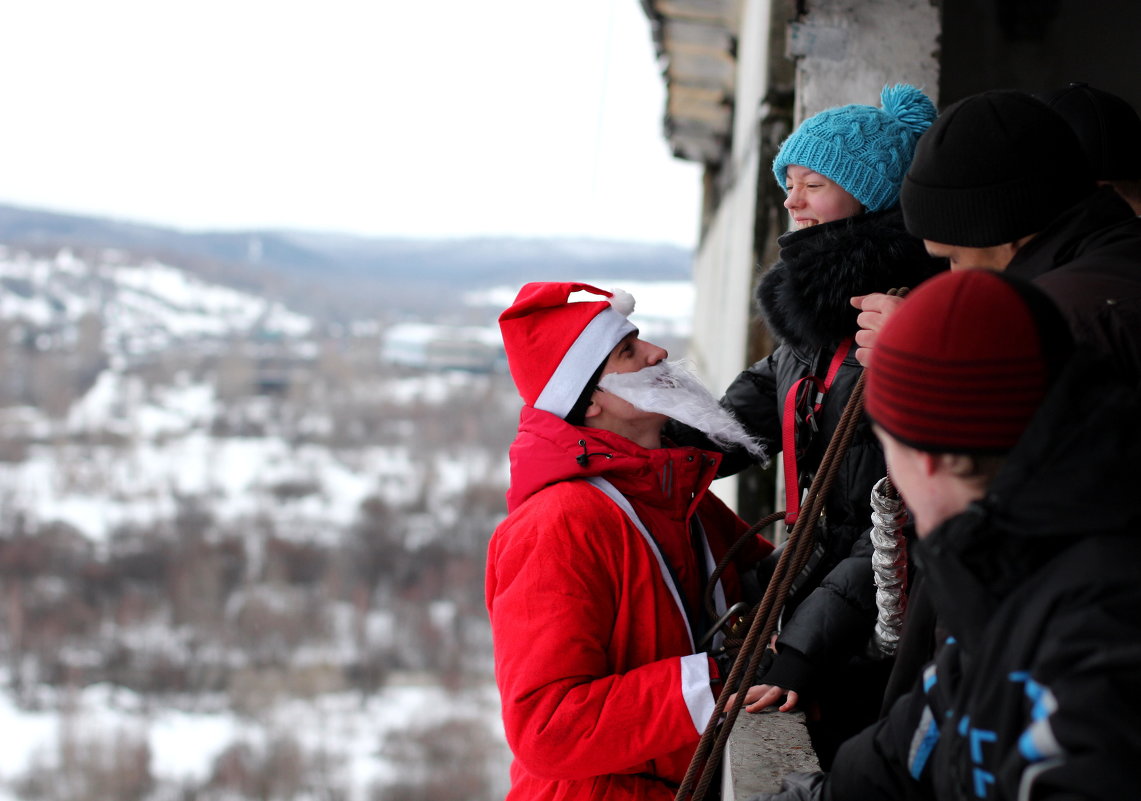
(788,428)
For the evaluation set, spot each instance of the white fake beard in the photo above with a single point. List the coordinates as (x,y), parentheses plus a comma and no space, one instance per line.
(672,389)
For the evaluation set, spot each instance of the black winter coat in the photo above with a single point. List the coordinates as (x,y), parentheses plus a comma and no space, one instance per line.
(805,301)
(1037,693)
(1089,263)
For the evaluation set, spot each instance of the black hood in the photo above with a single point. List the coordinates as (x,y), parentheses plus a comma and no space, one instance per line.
(1071,475)
(804,297)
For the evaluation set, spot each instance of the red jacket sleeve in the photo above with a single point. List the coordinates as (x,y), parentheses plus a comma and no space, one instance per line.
(594,668)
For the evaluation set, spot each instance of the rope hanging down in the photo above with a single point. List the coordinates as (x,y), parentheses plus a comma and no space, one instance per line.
(795,555)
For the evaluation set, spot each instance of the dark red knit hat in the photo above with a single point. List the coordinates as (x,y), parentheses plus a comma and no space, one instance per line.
(964,363)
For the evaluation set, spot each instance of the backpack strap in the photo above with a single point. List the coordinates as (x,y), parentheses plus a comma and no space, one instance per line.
(668,575)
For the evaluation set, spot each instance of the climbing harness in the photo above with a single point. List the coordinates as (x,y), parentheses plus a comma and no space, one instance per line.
(800,406)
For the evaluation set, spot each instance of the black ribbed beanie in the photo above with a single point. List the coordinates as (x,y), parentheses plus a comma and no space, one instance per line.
(1107,126)
(994,167)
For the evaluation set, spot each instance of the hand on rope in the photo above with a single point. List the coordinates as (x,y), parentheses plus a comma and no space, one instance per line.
(735,622)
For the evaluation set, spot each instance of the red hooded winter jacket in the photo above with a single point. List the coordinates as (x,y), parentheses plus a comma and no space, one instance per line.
(602,693)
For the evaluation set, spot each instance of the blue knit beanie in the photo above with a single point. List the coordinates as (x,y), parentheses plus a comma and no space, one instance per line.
(865,150)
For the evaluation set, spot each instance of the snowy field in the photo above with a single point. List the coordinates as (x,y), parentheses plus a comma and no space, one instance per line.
(351,732)
(130,450)
(167,453)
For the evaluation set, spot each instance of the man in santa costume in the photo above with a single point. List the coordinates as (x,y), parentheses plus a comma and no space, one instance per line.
(595,580)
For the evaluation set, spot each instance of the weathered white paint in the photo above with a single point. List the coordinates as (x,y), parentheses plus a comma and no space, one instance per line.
(724,270)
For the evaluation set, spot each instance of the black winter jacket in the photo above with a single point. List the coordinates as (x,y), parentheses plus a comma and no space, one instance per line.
(1089,262)
(805,301)
(1037,692)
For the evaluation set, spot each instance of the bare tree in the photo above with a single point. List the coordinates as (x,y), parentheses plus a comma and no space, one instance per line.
(449,761)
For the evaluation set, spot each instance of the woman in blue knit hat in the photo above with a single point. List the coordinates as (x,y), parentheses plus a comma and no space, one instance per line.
(842,170)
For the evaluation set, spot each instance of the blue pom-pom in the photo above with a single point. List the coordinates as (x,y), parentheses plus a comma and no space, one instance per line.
(908,105)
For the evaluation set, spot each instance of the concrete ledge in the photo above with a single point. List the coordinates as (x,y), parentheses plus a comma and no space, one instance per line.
(761,749)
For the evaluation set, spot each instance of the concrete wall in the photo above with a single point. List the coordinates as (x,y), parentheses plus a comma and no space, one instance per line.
(724,267)
(847,51)
(761,750)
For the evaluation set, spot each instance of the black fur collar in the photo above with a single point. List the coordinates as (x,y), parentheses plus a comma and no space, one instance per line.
(804,297)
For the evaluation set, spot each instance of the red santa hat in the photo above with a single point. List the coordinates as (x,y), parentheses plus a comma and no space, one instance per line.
(554,345)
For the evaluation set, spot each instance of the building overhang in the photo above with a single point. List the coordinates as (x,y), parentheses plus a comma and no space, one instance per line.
(695,42)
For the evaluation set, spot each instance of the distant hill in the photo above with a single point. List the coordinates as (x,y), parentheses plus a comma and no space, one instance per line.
(338,276)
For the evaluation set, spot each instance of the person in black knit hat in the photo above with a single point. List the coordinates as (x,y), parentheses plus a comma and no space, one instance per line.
(1000,181)
(996,169)
(1110,132)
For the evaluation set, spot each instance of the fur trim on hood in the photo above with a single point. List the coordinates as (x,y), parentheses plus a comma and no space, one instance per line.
(804,297)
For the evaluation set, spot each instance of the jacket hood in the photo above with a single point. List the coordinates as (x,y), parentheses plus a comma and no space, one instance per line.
(1070,234)
(1071,475)
(548,449)
(804,297)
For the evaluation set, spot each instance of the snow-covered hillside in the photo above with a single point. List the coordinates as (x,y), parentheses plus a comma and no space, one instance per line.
(164,453)
(225,494)
(145,306)
(139,394)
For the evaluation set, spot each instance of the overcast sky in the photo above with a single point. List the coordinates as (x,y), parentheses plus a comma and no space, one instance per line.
(385,117)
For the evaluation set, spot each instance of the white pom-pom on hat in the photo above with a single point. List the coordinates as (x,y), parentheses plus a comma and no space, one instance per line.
(622,302)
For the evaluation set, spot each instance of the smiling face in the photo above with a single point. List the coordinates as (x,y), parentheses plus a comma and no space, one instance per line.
(813,199)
